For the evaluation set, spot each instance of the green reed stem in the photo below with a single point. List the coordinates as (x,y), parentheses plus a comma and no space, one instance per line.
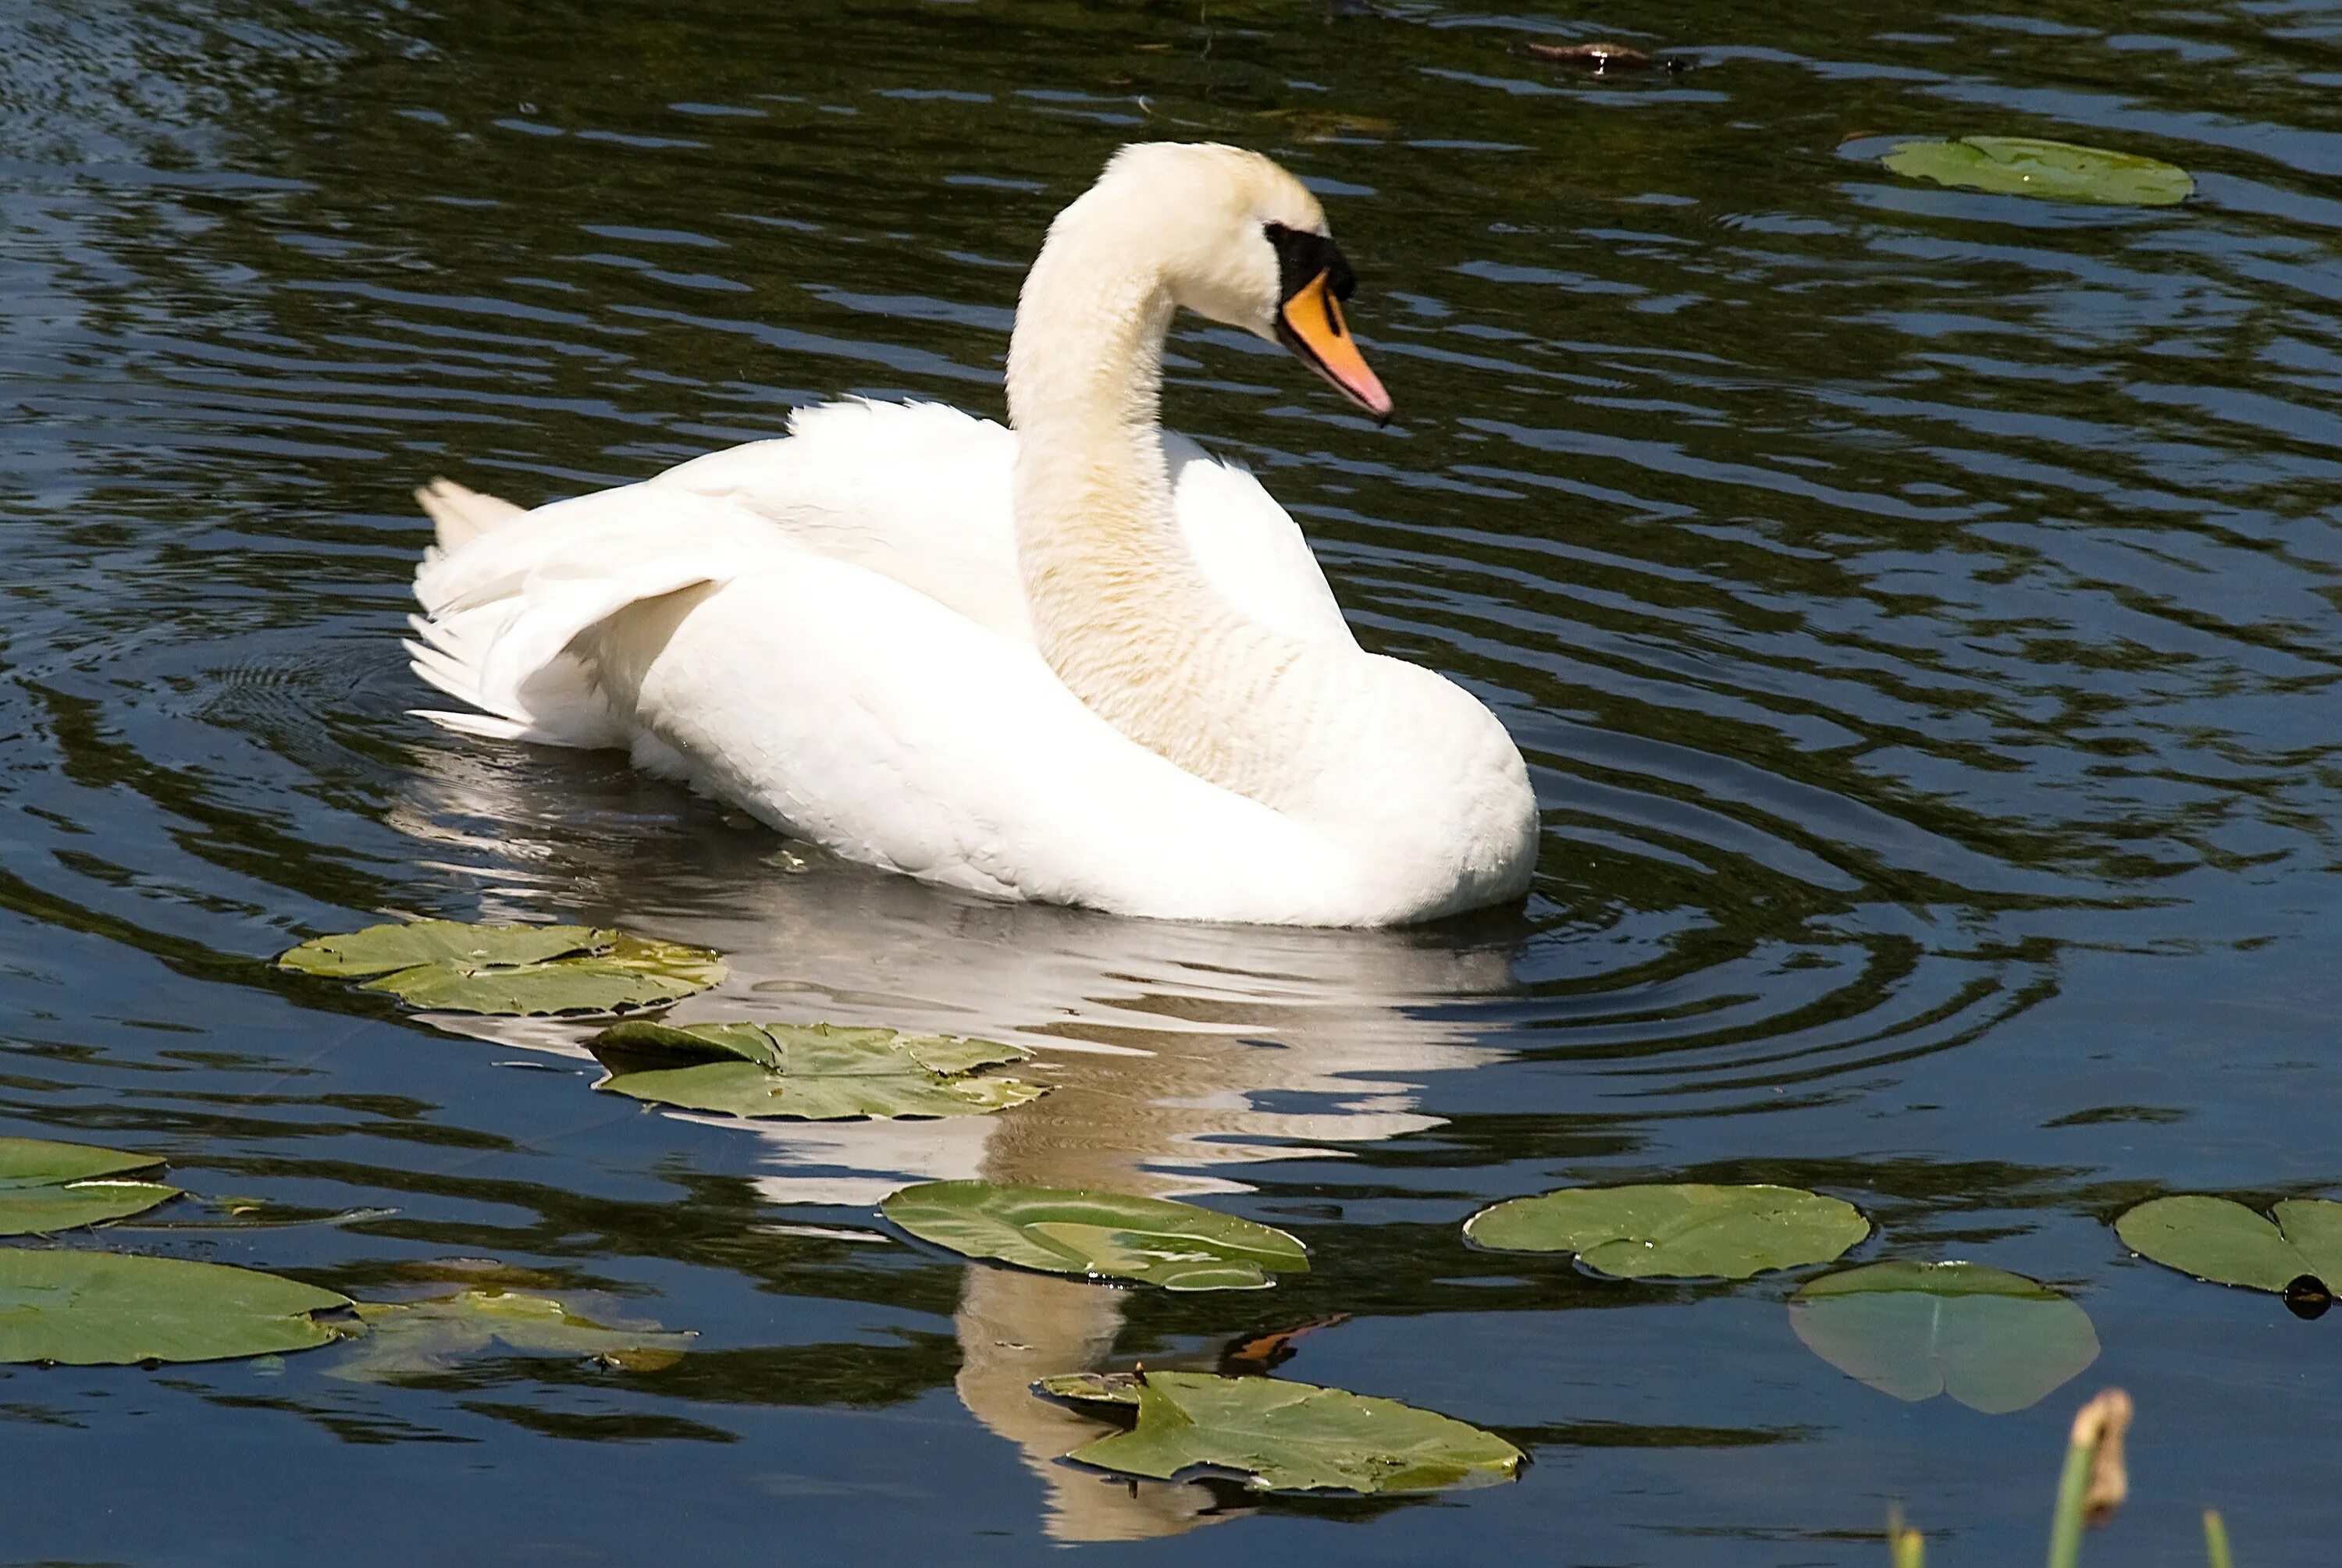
(1910,1549)
(2216,1540)
(2066,1530)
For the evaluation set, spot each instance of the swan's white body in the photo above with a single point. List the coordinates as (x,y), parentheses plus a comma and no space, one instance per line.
(1077,663)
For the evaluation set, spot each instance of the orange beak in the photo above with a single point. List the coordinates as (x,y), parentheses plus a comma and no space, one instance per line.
(1310,324)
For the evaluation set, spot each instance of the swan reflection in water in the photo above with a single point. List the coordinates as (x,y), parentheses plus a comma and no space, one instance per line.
(1161,1043)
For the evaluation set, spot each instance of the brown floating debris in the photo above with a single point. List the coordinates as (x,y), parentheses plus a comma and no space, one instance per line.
(1605,59)
(1252,1354)
(2099,1426)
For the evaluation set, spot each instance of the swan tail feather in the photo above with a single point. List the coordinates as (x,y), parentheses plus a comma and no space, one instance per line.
(462,515)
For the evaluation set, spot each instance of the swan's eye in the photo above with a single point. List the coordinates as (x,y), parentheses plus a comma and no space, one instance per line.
(1303,258)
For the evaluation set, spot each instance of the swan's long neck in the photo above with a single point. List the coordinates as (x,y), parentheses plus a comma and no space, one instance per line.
(1120,610)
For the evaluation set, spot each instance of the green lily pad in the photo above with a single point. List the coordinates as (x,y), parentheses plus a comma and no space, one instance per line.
(1066,1231)
(816,1071)
(45,1187)
(1687,1231)
(1994,1341)
(2297,1252)
(109,1309)
(420,1338)
(2053,171)
(451,944)
(448,967)
(1286,1436)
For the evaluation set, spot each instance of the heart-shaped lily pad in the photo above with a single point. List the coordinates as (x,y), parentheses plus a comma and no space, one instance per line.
(448,967)
(2053,171)
(2296,1253)
(1687,1231)
(1994,1341)
(1067,1231)
(45,1187)
(816,1071)
(1285,1436)
(419,1338)
(108,1309)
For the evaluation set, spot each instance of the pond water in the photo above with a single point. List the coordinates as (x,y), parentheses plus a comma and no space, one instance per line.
(1917,609)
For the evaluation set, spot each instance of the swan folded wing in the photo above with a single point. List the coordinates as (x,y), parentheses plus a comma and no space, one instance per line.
(503,609)
(921,493)
(839,704)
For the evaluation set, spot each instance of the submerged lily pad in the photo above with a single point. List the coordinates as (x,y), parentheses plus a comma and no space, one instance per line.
(1067,1231)
(816,1071)
(1994,1341)
(47,1186)
(1687,1231)
(2053,171)
(419,1338)
(108,1309)
(449,967)
(1285,1436)
(2297,1252)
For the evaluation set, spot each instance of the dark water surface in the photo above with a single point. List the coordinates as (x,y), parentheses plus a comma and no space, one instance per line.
(1918,610)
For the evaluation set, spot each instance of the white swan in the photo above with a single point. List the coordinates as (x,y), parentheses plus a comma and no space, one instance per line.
(1080,662)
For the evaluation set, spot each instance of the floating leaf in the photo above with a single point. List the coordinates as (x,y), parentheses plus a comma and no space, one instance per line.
(1096,1387)
(2299,1255)
(450,943)
(418,1338)
(815,1072)
(448,967)
(1067,1231)
(1689,1231)
(2053,171)
(45,1187)
(106,1309)
(1995,1340)
(1285,1436)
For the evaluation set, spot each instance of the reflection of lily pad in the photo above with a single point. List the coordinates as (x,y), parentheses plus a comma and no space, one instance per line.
(1994,1341)
(2297,1253)
(448,967)
(1066,1231)
(1688,1231)
(815,1072)
(419,1338)
(107,1308)
(46,1186)
(1286,1436)
(2053,171)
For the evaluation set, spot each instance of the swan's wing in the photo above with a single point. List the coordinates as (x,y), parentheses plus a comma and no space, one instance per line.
(1249,548)
(917,491)
(840,704)
(920,492)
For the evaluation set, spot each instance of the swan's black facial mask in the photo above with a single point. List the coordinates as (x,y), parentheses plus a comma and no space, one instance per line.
(1312,279)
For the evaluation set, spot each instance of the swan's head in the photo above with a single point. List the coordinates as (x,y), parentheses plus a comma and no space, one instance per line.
(1239,240)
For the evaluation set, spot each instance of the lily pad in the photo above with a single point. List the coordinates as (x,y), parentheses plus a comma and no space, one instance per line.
(1688,1231)
(448,967)
(2296,1253)
(419,1338)
(452,944)
(815,1072)
(110,1309)
(1067,1231)
(1996,1342)
(2053,171)
(45,1187)
(1285,1436)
